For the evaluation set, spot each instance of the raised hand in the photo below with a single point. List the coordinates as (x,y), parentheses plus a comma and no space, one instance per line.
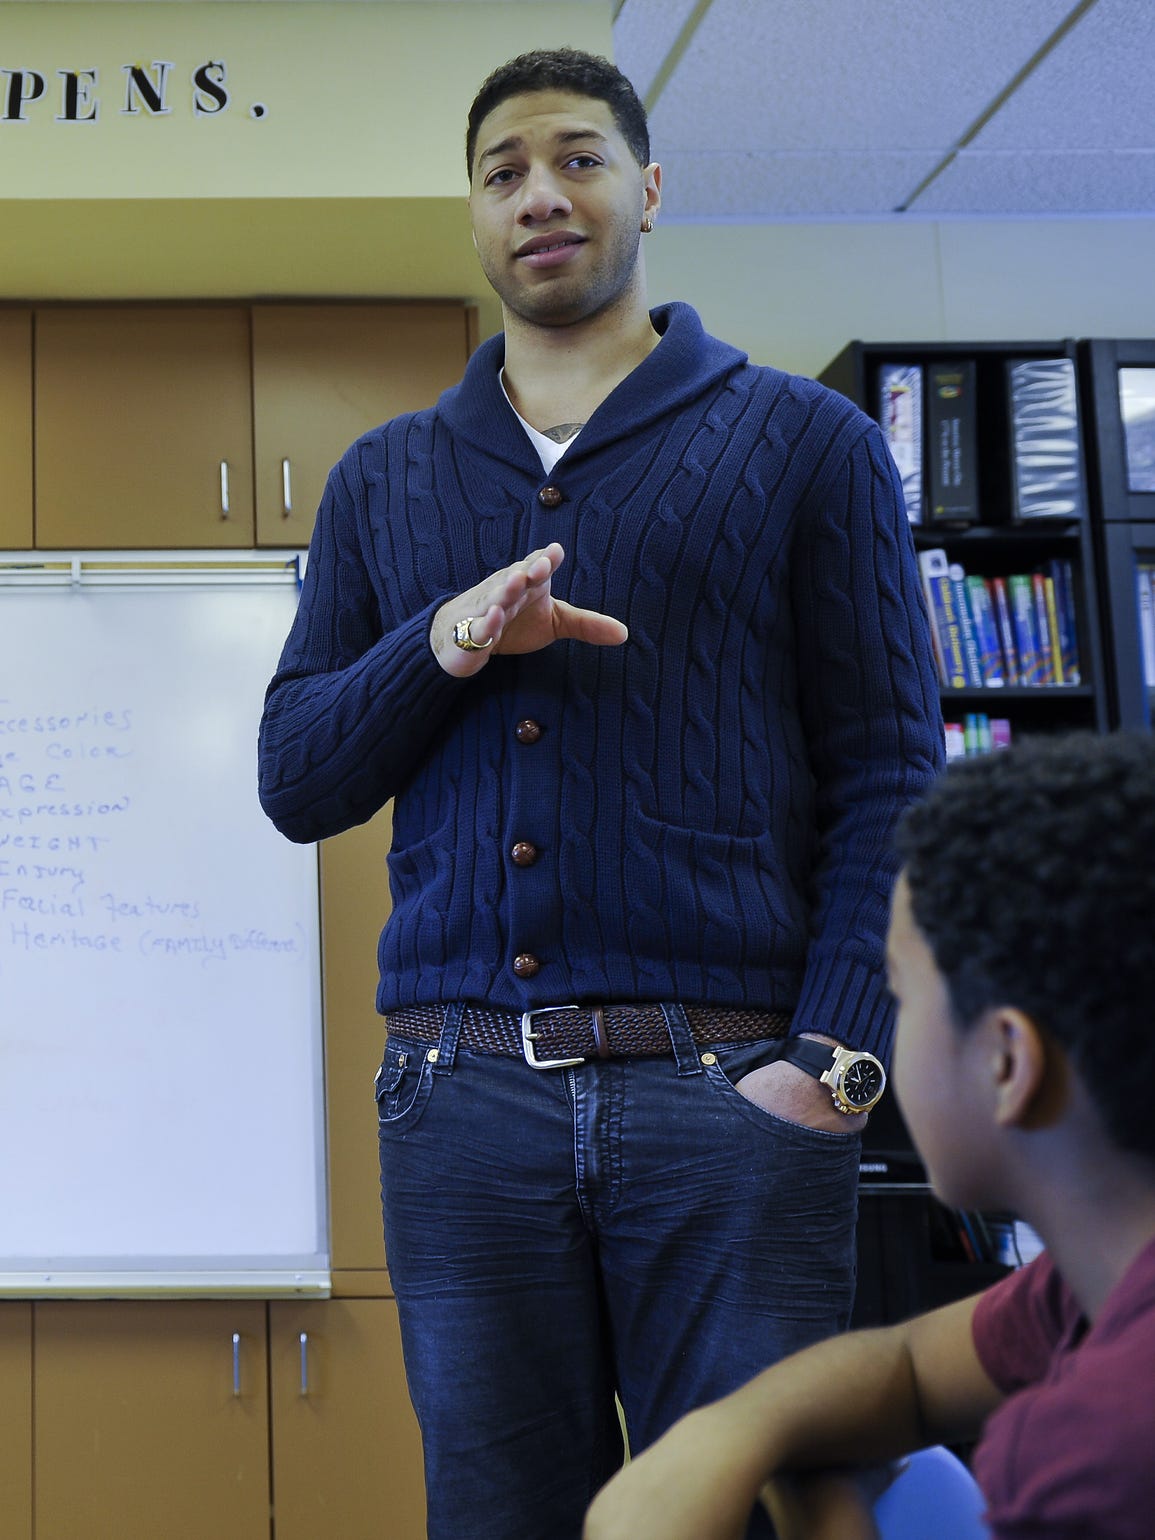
(513,611)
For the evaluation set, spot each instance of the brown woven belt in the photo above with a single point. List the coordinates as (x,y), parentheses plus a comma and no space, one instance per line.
(555,1035)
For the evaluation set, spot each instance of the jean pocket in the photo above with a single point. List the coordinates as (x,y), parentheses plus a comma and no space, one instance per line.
(731,1064)
(403,1083)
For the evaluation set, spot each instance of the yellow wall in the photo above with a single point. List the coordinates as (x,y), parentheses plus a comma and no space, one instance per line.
(359,100)
(353,184)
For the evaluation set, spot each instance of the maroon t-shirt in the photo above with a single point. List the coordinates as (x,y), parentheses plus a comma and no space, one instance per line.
(1070,1455)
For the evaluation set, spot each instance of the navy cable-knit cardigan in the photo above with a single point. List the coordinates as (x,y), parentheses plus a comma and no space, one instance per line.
(711,803)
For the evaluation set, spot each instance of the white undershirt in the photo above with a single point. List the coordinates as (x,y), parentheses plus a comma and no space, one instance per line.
(548,449)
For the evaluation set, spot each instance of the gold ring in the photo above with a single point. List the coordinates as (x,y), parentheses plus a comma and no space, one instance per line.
(463,636)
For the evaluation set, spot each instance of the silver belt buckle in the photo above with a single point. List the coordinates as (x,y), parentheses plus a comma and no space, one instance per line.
(529,1037)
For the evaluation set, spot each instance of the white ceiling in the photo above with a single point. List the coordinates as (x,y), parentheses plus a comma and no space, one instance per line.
(780,109)
(767,109)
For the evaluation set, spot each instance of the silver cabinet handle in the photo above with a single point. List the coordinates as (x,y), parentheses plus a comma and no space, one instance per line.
(236,1363)
(224,489)
(304,1363)
(286,488)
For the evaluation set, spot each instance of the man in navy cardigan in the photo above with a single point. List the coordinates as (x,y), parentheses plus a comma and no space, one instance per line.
(631,632)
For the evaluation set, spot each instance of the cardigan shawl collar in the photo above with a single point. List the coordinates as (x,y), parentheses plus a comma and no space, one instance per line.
(685,363)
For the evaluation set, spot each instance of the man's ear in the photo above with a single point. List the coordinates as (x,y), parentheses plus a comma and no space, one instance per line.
(1017,1060)
(652,186)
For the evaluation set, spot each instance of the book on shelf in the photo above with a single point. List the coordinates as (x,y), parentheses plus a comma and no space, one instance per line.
(982,615)
(900,414)
(1062,574)
(1017,629)
(1005,627)
(1046,454)
(1022,597)
(952,443)
(1045,641)
(946,634)
(1145,594)
(977,733)
(972,661)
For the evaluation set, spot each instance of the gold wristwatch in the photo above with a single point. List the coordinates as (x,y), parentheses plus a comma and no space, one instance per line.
(856,1079)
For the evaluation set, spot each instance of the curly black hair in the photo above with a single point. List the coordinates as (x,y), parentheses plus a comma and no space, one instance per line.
(563,69)
(1032,879)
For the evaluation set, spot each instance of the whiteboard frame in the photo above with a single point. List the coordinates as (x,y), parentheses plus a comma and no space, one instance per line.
(174,1278)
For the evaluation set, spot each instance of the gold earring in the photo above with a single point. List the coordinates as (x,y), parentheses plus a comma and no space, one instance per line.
(647,225)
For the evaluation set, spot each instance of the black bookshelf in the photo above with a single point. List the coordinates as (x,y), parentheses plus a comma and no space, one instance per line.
(995,543)
(1121,478)
(914,1253)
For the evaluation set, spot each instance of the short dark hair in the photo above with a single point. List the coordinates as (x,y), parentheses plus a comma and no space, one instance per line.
(563,69)
(1032,879)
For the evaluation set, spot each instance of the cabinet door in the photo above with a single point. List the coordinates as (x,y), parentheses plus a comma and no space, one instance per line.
(16,1420)
(151,1419)
(346,1446)
(322,375)
(143,427)
(15,429)
(355,905)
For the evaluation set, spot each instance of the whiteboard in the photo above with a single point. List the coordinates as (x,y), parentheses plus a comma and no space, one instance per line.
(161,1083)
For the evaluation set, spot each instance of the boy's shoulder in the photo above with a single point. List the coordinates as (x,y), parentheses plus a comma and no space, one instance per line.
(1071,1445)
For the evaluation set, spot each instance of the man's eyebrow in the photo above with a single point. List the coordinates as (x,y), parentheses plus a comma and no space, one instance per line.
(563,137)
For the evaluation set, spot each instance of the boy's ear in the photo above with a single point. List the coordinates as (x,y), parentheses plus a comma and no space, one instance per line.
(1017,1058)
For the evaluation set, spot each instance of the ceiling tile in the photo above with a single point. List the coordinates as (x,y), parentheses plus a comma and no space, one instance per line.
(845,74)
(644,33)
(769,185)
(1008,182)
(1094,92)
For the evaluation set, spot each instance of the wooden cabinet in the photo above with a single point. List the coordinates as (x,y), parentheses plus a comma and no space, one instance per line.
(322,375)
(15,429)
(151,1419)
(143,427)
(225,1418)
(153,423)
(346,1446)
(16,1420)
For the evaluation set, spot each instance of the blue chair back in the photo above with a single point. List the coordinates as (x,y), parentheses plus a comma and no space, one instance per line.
(935,1498)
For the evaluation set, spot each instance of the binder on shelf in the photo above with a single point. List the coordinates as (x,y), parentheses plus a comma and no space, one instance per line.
(952,443)
(900,414)
(1046,457)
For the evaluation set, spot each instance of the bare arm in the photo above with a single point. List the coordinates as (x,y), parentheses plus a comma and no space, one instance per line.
(864,1397)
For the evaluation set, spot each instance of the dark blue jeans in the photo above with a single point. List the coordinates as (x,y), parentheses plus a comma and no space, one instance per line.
(555,1236)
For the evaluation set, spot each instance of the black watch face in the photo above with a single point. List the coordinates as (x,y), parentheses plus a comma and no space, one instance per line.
(862,1082)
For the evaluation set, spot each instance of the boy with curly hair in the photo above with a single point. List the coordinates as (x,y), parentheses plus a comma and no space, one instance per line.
(1021,951)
